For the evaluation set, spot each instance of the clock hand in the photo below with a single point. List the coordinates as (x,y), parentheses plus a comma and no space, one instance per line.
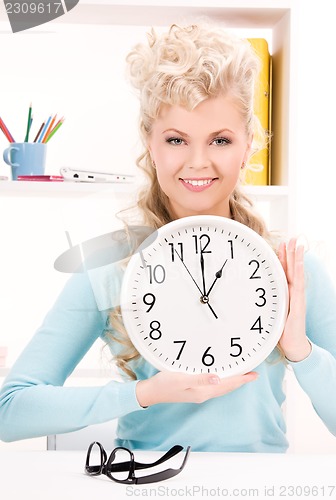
(202,269)
(213,312)
(204,299)
(188,271)
(218,275)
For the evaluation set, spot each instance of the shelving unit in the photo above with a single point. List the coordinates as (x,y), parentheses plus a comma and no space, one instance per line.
(278,16)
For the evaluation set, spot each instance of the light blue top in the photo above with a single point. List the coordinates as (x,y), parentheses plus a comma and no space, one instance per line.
(33,401)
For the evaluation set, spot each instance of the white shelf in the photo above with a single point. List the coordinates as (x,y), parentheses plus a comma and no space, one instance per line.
(241,4)
(266,192)
(243,14)
(62,189)
(75,189)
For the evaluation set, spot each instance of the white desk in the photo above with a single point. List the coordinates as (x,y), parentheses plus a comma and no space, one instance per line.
(58,475)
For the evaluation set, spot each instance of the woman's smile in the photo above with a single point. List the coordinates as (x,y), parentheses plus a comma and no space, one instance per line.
(198,184)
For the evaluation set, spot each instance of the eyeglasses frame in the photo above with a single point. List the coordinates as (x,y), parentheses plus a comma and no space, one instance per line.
(107,466)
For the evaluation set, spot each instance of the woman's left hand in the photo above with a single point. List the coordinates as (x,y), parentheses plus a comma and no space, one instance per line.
(294,342)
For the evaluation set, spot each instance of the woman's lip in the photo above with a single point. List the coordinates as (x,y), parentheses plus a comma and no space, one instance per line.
(203,187)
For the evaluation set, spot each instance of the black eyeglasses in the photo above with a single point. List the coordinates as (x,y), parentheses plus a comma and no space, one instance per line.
(121,466)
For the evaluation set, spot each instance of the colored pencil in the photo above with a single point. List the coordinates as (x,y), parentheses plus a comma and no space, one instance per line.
(28,123)
(49,129)
(54,130)
(38,133)
(6,131)
(44,130)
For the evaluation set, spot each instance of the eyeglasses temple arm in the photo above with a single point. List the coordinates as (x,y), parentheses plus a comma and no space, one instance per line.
(124,466)
(166,474)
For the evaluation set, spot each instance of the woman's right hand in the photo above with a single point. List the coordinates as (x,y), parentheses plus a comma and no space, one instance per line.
(175,387)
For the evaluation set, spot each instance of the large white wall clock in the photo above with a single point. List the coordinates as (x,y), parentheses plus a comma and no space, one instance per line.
(207,294)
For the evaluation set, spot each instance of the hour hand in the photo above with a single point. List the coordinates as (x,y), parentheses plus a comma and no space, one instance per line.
(202,270)
(218,275)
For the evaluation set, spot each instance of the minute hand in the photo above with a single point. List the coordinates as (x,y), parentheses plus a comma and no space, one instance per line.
(218,275)
(191,276)
(202,294)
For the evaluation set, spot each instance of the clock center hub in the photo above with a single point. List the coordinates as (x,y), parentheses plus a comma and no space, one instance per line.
(204,299)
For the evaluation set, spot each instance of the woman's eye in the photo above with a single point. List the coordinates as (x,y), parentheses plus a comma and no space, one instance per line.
(221,141)
(176,141)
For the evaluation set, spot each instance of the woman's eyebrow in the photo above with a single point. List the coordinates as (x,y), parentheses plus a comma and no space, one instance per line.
(178,131)
(184,134)
(213,134)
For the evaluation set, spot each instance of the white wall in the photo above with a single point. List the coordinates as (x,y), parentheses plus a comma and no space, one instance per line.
(316,131)
(315,180)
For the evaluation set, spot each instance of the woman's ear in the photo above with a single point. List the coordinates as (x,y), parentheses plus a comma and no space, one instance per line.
(151,156)
(149,149)
(248,149)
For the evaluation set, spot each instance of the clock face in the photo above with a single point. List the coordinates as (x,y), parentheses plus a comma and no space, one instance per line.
(208,294)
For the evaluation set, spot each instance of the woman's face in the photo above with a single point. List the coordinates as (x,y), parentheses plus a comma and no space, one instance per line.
(199,154)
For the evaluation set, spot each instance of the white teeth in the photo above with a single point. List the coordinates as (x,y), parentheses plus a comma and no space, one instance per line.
(202,182)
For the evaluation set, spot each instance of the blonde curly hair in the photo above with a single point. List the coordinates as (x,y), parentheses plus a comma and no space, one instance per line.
(184,66)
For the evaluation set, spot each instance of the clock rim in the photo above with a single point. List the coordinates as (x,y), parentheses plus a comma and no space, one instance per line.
(262,355)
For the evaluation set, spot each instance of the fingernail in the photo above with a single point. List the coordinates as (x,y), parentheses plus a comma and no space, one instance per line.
(214,380)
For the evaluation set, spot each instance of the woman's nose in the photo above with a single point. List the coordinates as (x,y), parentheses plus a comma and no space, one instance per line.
(198,159)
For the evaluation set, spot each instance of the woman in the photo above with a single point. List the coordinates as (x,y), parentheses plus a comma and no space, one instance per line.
(198,129)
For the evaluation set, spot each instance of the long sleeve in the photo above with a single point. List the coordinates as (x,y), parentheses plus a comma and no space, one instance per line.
(317,373)
(33,401)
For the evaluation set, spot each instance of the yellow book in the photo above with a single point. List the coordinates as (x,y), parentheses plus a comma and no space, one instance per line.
(258,172)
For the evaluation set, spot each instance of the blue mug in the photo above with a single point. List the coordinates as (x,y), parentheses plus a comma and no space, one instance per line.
(26,158)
